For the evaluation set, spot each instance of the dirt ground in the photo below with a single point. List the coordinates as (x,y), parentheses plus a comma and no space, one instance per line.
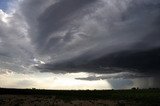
(38,100)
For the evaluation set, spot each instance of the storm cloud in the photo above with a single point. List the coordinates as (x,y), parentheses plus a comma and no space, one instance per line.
(15,49)
(100,34)
(95,36)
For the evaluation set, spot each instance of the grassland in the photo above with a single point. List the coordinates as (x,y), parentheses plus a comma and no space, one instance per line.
(35,97)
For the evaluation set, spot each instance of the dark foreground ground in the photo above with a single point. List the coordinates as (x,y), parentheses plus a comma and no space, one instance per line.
(35,97)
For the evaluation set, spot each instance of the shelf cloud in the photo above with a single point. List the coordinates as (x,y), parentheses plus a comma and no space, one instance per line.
(96,35)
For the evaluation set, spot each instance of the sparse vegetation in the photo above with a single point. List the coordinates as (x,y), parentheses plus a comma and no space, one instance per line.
(133,97)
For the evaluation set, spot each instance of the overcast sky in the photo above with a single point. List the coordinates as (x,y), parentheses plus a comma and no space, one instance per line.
(79,44)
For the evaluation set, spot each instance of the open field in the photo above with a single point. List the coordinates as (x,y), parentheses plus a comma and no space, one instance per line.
(34,97)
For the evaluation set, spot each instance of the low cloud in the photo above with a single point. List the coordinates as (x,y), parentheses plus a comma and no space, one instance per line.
(121,75)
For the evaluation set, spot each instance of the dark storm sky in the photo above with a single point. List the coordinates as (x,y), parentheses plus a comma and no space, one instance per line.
(95,36)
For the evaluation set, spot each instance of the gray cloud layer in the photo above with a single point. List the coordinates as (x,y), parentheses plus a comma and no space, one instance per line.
(114,31)
(15,49)
(83,35)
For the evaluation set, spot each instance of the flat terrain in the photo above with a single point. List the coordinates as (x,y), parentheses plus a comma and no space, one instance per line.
(35,97)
